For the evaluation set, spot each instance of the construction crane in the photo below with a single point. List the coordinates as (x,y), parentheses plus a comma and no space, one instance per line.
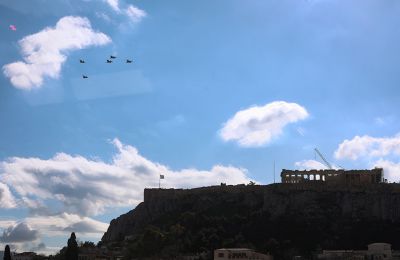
(323,159)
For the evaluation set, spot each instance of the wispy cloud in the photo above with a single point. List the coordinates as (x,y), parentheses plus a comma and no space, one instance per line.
(134,13)
(114,4)
(45,52)
(103,16)
(258,125)
(7,200)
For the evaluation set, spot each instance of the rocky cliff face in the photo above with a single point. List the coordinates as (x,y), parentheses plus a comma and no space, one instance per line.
(324,204)
(158,202)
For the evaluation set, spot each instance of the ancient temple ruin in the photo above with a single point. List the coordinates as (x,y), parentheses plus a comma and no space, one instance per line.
(333,176)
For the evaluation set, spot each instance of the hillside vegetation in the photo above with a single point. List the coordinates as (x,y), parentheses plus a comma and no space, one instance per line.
(282,219)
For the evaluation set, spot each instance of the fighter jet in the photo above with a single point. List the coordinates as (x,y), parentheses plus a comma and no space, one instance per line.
(128,61)
(82,61)
(109,61)
(112,57)
(84,76)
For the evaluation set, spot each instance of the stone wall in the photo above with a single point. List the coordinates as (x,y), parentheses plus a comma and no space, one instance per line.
(152,194)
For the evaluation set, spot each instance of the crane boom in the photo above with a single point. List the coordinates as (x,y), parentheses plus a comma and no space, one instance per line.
(323,158)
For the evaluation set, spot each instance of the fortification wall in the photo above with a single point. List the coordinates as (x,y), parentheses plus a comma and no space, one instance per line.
(153,194)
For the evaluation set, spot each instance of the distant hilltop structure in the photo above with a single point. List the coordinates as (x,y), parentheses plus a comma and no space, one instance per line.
(340,176)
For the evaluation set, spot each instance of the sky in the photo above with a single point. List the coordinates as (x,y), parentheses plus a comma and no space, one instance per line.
(217,91)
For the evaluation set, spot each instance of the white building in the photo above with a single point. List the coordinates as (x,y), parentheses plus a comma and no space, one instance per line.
(376,251)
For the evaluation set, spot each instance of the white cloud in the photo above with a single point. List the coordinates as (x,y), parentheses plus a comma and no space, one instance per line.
(310,165)
(375,151)
(65,191)
(314,165)
(7,200)
(40,247)
(19,233)
(103,16)
(26,233)
(87,187)
(135,14)
(384,120)
(367,146)
(391,169)
(5,223)
(380,121)
(45,52)
(257,126)
(47,250)
(65,223)
(37,247)
(114,4)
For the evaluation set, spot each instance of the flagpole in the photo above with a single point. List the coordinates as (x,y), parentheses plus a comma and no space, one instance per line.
(274,171)
(161,176)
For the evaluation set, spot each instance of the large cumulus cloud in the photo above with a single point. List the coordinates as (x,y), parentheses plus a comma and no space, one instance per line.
(368,146)
(382,152)
(88,187)
(19,233)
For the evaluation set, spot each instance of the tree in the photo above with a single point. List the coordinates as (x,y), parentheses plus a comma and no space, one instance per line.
(153,240)
(272,246)
(72,248)
(7,253)
(87,244)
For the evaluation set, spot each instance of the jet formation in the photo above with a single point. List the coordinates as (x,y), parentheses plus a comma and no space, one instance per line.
(109,60)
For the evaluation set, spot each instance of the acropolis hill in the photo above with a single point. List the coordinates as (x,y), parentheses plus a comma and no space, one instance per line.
(306,214)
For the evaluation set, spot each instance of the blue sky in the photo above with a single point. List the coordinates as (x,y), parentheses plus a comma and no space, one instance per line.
(217,91)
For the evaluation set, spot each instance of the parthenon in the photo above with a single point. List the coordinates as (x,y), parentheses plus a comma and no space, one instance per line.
(333,176)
